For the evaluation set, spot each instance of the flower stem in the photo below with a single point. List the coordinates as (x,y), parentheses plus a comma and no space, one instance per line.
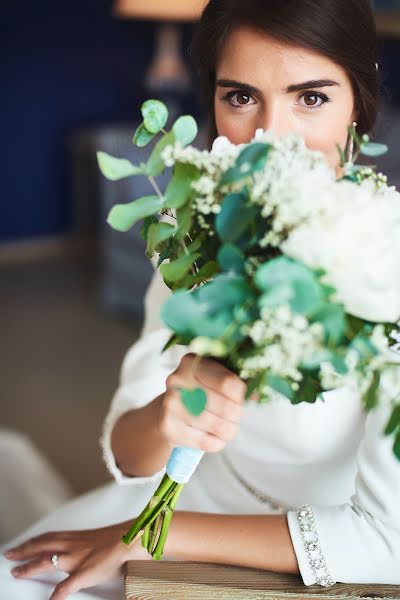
(168,513)
(149,513)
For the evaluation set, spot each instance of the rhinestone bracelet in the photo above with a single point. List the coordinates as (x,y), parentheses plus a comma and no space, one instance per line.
(313,547)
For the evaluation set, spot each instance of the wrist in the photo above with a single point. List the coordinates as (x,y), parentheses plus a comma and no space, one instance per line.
(157,411)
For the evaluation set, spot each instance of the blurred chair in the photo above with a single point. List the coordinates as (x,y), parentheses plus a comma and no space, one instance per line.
(30,485)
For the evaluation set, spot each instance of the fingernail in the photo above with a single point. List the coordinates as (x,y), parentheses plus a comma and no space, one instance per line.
(15,571)
(8,553)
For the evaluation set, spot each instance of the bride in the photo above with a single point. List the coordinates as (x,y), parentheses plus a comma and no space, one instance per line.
(312,489)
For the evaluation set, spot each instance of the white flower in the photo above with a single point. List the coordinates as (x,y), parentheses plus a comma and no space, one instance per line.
(356,238)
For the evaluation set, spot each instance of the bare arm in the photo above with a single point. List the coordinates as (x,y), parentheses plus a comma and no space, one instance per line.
(95,555)
(252,541)
(143,438)
(138,444)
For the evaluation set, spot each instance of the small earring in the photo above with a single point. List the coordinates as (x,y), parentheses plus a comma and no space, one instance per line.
(351,145)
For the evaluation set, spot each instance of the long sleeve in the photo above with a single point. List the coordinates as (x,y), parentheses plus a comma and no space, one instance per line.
(143,374)
(358,541)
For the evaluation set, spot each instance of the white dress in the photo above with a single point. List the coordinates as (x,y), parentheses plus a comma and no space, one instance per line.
(327,466)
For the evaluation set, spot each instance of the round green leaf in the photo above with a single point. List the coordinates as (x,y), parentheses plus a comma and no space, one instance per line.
(332,318)
(123,216)
(155,164)
(155,115)
(373,149)
(181,311)
(175,270)
(295,278)
(184,217)
(117,168)
(251,159)
(280,385)
(195,400)
(179,188)
(230,258)
(142,136)
(157,233)
(234,217)
(185,129)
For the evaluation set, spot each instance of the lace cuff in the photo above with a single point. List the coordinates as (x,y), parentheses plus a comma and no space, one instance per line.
(310,555)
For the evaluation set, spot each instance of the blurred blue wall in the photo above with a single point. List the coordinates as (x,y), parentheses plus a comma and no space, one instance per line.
(63,65)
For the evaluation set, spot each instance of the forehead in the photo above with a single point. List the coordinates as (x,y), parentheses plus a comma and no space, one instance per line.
(251,55)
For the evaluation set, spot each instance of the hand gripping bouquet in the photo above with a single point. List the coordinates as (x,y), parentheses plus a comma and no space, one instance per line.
(284,274)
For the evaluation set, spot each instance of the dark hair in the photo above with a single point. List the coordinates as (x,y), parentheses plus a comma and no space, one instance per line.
(342,30)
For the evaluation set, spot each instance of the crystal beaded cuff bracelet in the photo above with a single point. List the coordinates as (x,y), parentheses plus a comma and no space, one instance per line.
(312,546)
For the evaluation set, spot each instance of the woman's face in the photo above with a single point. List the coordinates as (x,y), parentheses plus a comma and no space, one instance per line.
(263,83)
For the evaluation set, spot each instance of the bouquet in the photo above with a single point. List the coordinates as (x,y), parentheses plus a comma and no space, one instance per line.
(285,274)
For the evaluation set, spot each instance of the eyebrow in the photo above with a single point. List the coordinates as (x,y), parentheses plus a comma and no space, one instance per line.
(296,87)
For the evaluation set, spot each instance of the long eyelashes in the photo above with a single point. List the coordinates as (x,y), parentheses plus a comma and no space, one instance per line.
(230,96)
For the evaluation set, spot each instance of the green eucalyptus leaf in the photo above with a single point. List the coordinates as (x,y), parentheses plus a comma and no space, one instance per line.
(155,115)
(195,400)
(363,345)
(373,149)
(396,446)
(158,232)
(280,385)
(180,188)
(184,218)
(251,159)
(181,311)
(341,154)
(310,389)
(117,168)
(215,325)
(177,269)
(196,244)
(234,217)
(224,292)
(294,279)
(165,253)
(371,396)
(144,230)
(207,271)
(230,258)
(394,421)
(124,216)
(155,164)
(332,318)
(173,340)
(254,384)
(142,136)
(185,129)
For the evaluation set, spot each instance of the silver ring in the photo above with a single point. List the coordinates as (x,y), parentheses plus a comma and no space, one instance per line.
(54,560)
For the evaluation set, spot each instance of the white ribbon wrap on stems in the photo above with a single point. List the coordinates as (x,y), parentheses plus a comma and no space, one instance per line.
(183,462)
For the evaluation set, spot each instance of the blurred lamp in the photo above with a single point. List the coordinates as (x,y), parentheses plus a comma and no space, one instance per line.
(167,73)
(162,10)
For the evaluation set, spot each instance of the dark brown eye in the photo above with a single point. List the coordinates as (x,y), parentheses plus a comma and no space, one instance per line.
(311,99)
(242,98)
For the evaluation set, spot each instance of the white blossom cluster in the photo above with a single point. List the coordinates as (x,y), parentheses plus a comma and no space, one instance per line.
(211,165)
(282,341)
(290,186)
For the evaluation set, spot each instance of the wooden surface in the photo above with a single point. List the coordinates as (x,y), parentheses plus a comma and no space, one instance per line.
(163,580)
